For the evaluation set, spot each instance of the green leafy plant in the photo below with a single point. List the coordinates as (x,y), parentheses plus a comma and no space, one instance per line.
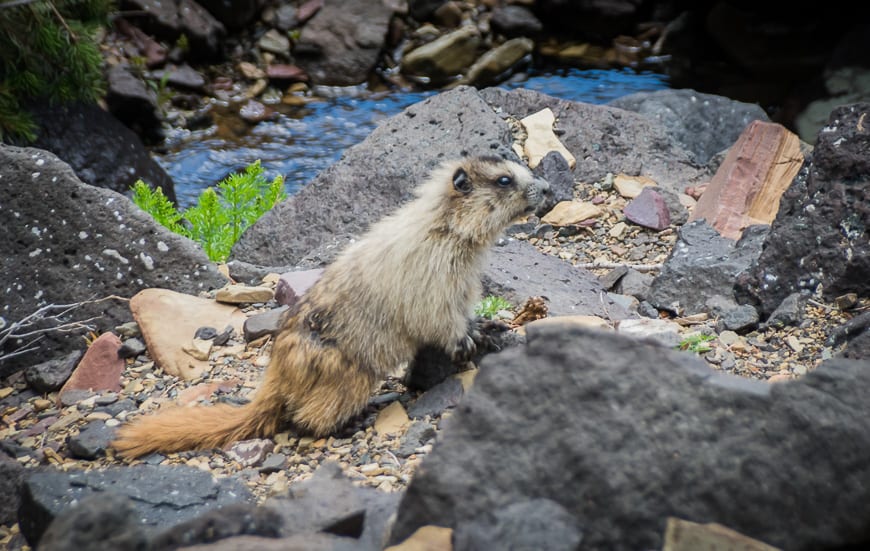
(220,216)
(696,343)
(157,205)
(48,51)
(490,306)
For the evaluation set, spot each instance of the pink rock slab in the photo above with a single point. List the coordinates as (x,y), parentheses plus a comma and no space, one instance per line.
(99,369)
(168,320)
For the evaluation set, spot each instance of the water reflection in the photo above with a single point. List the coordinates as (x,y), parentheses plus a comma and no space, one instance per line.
(302,141)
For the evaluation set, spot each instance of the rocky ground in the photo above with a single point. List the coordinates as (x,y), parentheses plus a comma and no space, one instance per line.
(383,447)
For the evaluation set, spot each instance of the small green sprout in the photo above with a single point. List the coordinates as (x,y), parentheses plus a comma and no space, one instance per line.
(490,306)
(696,343)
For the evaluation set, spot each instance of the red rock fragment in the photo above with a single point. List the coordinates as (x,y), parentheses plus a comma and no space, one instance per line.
(99,369)
(649,210)
(292,285)
(285,71)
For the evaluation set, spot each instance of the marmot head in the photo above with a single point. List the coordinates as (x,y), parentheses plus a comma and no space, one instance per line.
(483,195)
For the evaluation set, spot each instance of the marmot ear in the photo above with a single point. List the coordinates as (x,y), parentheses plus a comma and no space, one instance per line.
(461,183)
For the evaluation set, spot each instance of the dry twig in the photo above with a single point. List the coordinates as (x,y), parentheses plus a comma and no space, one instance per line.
(27,329)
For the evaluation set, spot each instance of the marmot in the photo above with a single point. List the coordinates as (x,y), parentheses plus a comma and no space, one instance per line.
(411,281)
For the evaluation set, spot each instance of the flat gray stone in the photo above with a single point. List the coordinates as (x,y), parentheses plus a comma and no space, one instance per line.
(162,496)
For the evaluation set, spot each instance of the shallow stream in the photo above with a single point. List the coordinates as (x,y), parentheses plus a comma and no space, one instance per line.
(302,141)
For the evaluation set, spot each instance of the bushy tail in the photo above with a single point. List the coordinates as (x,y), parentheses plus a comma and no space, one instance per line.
(199,427)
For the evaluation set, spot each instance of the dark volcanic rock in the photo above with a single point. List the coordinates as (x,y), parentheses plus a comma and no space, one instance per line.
(99,148)
(233,14)
(133,103)
(162,496)
(340,45)
(555,170)
(513,21)
(701,265)
(232,520)
(68,242)
(91,441)
(623,434)
(329,502)
(522,526)
(437,399)
(168,20)
(50,375)
(820,236)
(264,323)
(100,521)
(11,475)
(704,124)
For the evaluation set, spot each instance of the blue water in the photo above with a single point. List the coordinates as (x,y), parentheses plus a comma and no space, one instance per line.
(301,143)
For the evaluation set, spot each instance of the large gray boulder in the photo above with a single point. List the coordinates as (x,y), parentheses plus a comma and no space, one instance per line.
(704,124)
(374,177)
(517,270)
(67,242)
(623,434)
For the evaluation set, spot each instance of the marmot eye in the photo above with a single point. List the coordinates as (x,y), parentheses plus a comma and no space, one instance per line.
(504,181)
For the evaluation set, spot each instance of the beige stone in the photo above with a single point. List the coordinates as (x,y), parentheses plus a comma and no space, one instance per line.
(393,419)
(566,213)
(683,535)
(445,56)
(198,348)
(631,186)
(244,294)
(541,138)
(467,378)
(588,322)
(427,538)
